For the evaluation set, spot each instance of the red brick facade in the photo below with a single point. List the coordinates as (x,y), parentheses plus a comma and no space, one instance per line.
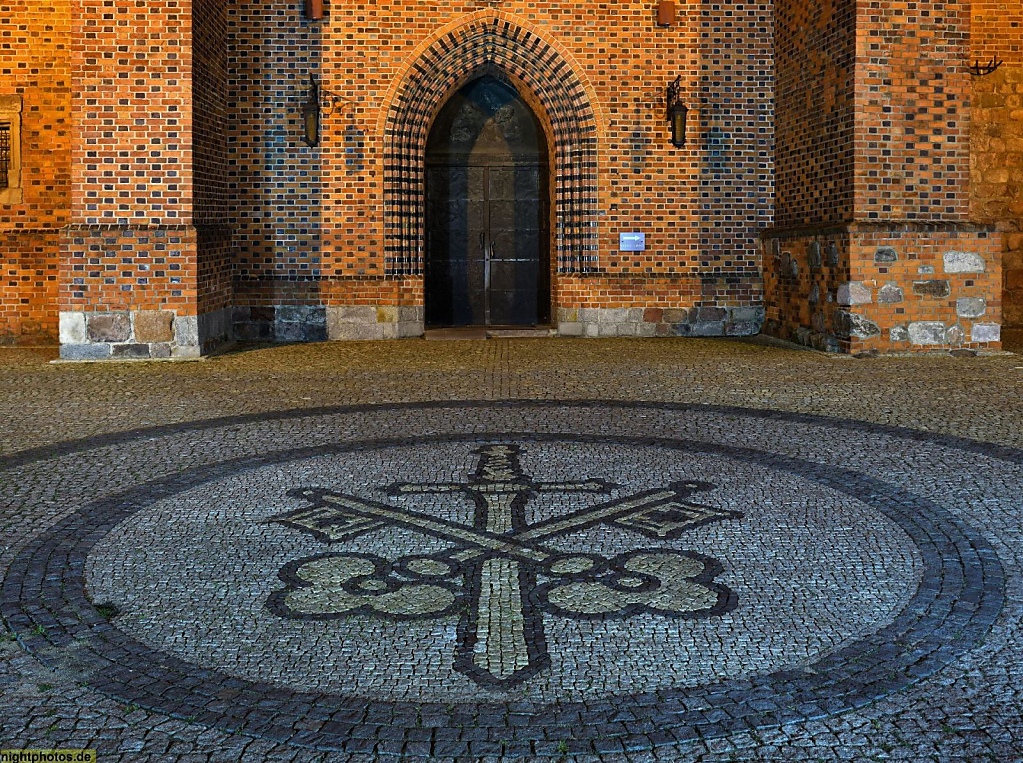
(823,193)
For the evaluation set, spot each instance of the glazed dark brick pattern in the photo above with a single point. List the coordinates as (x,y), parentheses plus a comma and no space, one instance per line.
(491,45)
(955,596)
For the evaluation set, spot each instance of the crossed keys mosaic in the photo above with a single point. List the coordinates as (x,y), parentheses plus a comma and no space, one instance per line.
(497,575)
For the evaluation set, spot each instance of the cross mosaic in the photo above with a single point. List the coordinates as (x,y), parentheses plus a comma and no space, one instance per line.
(499,575)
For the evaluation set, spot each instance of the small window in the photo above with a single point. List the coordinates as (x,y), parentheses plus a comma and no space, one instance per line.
(10,149)
(5,155)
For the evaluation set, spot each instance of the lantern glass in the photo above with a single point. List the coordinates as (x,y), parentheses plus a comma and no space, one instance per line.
(678,124)
(311,117)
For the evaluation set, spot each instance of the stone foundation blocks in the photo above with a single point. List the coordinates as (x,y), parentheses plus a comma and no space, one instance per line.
(279,323)
(154,326)
(703,321)
(373,322)
(300,323)
(109,327)
(85,351)
(135,335)
(72,328)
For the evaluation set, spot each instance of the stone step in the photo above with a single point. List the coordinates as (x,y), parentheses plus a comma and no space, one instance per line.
(484,332)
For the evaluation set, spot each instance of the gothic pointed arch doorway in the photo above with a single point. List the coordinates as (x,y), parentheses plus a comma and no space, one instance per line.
(487,211)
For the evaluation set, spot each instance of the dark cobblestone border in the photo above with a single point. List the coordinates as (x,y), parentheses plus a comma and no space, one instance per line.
(43,600)
(40,453)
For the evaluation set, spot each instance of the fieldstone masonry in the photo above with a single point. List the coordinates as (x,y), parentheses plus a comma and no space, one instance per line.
(890,293)
(932,288)
(854,293)
(971,307)
(872,168)
(126,335)
(924,292)
(996,141)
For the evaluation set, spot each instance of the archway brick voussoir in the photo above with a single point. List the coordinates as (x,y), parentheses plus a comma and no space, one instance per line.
(489,43)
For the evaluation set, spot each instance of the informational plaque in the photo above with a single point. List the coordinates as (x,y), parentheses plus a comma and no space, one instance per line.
(631,242)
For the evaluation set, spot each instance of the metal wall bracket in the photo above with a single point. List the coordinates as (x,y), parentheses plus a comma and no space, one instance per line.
(977,69)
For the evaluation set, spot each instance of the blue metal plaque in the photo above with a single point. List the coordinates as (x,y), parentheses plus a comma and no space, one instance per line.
(631,242)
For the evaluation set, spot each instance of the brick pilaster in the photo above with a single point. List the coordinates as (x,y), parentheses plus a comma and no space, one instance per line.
(130,258)
(875,248)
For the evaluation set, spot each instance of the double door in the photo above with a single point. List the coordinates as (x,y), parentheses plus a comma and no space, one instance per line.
(486,237)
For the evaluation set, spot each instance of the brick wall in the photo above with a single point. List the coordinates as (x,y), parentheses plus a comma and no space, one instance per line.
(211,213)
(195,198)
(129,245)
(34,65)
(997,140)
(145,262)
(275,179)
(132,147)
(912,115)
(815,104)
(997,30)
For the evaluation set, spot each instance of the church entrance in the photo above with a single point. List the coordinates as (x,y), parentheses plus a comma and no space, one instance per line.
(487,211)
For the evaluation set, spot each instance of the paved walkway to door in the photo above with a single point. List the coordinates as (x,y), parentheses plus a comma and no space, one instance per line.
(513,549)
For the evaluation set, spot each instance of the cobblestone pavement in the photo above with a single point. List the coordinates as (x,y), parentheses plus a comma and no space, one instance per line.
(544,549)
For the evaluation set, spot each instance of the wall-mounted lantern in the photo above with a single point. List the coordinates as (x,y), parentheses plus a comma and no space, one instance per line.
(677,113)
(311,114)
(665,12)
(319,100)
(314,9)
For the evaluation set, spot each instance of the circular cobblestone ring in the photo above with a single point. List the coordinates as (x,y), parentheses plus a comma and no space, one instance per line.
(640,525)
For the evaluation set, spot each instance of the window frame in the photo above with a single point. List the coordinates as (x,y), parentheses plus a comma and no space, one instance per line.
(10,113)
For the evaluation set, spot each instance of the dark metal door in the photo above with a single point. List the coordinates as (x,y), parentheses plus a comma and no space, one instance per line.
(487,228)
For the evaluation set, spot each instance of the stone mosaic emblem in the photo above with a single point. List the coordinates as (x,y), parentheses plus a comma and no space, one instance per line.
(497,575)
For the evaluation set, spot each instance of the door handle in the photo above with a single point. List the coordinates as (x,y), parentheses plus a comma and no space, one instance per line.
(487,254)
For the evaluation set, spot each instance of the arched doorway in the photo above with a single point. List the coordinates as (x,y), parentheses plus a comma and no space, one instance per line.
(487,211)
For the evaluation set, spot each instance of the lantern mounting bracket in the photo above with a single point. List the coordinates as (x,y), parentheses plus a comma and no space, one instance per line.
(977,69)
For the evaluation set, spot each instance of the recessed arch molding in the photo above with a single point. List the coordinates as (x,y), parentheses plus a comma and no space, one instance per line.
(501,48)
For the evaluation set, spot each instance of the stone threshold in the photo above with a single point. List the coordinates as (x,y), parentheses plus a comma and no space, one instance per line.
(485,332)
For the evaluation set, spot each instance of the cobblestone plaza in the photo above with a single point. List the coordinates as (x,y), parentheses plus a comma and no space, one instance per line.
(521,549)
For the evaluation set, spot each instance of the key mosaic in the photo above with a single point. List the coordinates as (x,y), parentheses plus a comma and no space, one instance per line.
(496,571)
